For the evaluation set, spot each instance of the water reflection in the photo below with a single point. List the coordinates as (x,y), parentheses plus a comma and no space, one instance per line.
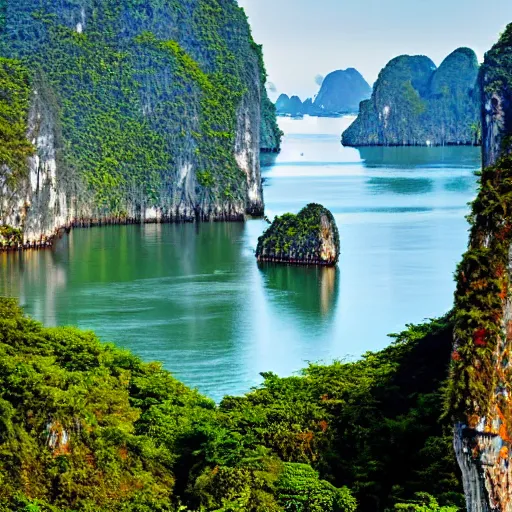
(406,157)
(20,271)
(311,292)
(460,184)
(268,159)
(399,185)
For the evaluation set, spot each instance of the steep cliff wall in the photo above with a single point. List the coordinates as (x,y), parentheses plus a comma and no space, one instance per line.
(415,104)
(142,110)
(480,388)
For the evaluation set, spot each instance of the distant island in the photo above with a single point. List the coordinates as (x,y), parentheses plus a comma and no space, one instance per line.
(416,104)
(340,93)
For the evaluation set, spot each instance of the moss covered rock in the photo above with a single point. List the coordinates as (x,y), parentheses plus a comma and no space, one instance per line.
(309,238)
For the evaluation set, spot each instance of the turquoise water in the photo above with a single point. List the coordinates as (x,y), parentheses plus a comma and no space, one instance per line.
(194,297)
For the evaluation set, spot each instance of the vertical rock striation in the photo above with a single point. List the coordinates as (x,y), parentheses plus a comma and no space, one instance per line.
(480,385)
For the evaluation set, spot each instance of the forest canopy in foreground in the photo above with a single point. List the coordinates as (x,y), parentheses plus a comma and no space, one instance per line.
(85,426)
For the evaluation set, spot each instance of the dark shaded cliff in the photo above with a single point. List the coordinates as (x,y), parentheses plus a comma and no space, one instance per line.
(413,103)
(341,93)
(480,387)
(142,110)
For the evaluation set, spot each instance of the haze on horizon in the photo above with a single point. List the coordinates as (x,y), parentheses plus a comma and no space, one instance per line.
(304,38)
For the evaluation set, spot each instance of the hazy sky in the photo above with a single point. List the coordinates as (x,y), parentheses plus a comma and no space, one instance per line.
(303,38)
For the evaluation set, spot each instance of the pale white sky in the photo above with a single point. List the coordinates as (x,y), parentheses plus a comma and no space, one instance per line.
(303,38)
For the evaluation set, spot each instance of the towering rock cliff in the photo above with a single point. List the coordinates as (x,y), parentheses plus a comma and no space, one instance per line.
(413,103)
(142,110)
(341,92)
(480,386)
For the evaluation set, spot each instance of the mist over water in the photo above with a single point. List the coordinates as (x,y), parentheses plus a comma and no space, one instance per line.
(194,298)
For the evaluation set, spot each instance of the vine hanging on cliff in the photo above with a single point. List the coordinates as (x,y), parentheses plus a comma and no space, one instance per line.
(481,295)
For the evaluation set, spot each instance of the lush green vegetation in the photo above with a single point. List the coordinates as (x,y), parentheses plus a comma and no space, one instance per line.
(137,91)
(302,237)
(482,289)
(88,427)
(14,107)
(271,134)
(413,103)
(10,237)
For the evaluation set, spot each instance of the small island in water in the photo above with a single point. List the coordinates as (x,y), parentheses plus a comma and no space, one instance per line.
(309,238)
(414,103)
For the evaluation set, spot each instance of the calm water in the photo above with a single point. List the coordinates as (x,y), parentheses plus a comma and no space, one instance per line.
(194,297)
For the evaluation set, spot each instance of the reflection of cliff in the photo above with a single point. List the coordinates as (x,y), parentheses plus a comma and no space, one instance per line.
(407,157)
(178,284)
(21,271)
(310,291)
(402,186)
(268,160)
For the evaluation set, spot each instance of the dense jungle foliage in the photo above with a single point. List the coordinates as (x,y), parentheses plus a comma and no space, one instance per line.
(413,103)
(140,90)
(482,289)
(85,426)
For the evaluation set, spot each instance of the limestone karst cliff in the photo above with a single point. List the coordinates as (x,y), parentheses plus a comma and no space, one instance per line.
(480,386)
(309,238)
(415,104)
(142,110)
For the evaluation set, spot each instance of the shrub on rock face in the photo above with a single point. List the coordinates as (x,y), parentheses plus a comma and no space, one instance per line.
(310,238)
